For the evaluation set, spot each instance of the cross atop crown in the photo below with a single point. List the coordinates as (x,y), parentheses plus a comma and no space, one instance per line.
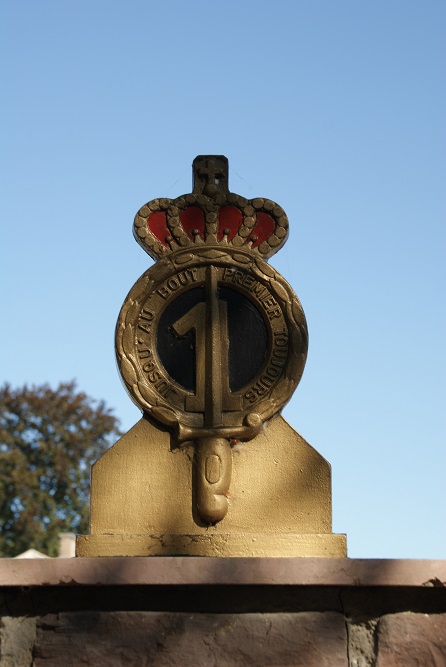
(211,215)
(210,174)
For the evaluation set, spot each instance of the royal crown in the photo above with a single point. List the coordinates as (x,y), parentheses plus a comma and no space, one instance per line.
(210,215)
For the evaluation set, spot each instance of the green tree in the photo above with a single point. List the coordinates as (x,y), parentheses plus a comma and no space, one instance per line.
(48,441)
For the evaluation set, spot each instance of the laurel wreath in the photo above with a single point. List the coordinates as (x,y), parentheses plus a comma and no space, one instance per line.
(145,396)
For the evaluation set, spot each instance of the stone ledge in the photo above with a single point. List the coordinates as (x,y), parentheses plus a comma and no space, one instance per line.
(194,571)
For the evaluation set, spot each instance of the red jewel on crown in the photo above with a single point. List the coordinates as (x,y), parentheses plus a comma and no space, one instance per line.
(212,216)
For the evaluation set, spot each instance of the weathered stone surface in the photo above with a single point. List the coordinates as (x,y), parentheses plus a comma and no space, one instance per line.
(298,608)
(361,643)
(17,637)
(412,640)
(162,639)
(427,575)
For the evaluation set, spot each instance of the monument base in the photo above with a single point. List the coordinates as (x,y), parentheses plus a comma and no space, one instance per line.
(260,545)
(142,500)
(186,612)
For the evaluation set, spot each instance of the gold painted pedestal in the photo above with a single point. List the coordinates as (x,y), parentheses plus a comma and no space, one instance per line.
(279,502)
(211,343)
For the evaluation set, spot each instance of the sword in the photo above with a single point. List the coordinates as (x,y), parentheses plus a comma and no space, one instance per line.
(213,456)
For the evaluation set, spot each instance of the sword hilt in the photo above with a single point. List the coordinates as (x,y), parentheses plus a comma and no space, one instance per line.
(213,463)
(252,426)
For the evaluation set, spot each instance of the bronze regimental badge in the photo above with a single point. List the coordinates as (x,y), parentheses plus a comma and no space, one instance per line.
(211,341)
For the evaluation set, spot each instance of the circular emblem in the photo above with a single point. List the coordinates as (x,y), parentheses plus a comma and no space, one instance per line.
(210,339)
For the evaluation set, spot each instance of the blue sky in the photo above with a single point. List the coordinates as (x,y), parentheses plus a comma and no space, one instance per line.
(335,110)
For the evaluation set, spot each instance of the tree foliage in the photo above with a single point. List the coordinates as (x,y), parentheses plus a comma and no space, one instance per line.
(48,442)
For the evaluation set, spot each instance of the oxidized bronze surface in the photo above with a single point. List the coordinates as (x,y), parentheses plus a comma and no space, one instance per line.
(211,341)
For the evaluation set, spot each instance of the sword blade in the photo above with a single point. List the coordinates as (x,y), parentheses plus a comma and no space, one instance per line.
(213,412)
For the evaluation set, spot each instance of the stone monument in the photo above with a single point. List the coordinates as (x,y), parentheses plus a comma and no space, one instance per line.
(211,342)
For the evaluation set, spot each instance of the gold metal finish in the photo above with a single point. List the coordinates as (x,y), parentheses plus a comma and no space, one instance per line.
(143,373)
(279,500)
(256,545)
(211,342)
(213,459)
(213,410)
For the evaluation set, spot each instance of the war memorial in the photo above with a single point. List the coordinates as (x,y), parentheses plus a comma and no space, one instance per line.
(211,536)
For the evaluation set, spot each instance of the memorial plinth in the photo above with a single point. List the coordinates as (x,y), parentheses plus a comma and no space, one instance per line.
(280,506)
(211,343)
(355,573)
(321,612)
